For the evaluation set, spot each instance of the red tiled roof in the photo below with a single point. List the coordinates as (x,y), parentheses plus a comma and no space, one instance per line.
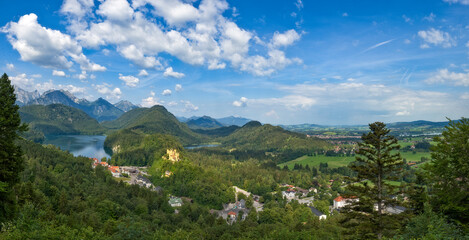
(232,213)
(339,199)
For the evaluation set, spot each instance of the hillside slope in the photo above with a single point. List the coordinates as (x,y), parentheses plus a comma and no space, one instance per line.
(154,120)
(255,136)
(58,119)
(204,122)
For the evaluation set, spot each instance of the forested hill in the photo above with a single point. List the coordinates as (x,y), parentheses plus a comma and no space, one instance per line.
(58,119)
(62,197)
(154,120)
(255,136)
(204,122)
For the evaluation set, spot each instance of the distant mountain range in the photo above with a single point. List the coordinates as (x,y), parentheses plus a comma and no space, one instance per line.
(100,109)
(125,105)
(419,123)
(57,119)
(202,122)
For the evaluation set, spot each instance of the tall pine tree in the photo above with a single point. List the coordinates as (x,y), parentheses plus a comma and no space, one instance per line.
(11,162)
(377,161)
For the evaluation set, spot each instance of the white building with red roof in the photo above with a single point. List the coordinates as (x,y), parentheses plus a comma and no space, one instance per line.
(340,202)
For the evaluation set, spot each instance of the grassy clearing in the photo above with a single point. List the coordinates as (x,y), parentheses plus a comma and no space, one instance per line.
(415,157)
(314,161)
(393,183)
(335,162)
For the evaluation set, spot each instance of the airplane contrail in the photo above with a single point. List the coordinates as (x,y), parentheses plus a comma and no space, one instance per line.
(377,45)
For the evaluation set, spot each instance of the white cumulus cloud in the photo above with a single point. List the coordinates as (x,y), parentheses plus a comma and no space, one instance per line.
(285,39)
(178,87)
(77,8)
(196,33)
(189,107)
(170,73)
(453,78)
(436,38)
(46,47)
(166,92)
(241,103)
(58,73)
(150,101)
(82,76)
(130,81)
(108,92)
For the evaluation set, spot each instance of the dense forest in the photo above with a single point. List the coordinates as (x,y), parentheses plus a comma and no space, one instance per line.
(47,193)
(61,196)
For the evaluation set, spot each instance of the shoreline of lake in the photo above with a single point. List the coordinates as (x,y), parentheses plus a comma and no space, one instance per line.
(80,145)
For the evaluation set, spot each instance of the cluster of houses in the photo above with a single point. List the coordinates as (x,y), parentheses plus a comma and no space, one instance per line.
(115,170)
(301,195)
(297,193)
(136,174)
(340,202)
(232,211)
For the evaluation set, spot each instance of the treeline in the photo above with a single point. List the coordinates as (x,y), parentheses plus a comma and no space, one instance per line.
(270,154)
(322,168)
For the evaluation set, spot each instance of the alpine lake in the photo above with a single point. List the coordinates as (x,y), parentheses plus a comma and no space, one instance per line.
(80,145)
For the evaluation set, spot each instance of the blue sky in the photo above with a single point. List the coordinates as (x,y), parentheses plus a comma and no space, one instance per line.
(280,62)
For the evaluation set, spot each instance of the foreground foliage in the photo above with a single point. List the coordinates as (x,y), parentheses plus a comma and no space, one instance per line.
(448,173)
(376,163)
(11,162)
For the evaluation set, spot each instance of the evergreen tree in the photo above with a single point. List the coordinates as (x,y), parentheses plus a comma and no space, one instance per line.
(376,162)
(315,171)
(11,162)
(448,173)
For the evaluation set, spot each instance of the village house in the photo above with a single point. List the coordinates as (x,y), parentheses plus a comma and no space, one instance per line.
(114,171)
(289,194)
(175,201)
(308,200)
(143,181)
(303,192)
(340,202)
(391,209)
(232,215)
(318,213)
(104,164)
(232,210)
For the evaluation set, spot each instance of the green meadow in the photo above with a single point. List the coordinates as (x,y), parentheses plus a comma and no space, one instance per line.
(335,162)
(314,161)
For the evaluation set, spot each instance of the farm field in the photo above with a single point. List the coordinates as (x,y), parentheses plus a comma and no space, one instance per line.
(335,162)
(415,157)
(314,161)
